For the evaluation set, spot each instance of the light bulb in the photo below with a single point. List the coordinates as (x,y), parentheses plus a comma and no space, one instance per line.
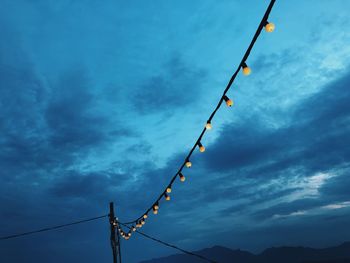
(167,197)
(145,216)
(129,234)
(208,125)
(246,69)
(155,211)
(156,206)
(168,190)
(133,228)
(188,163)
(229,102)
(269,27)
(182,177)
(201,147)
(143,222)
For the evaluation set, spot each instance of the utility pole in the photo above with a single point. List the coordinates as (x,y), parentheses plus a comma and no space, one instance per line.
(115,239)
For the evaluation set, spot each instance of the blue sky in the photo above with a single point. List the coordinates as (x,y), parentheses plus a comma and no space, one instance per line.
(101,102)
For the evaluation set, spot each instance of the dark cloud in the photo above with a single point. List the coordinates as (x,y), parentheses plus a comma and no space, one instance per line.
(287,208)
(72,122)
(315,140)
(337,188)
(176,86)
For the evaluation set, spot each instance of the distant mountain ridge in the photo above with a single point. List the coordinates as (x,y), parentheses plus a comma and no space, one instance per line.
(337,254)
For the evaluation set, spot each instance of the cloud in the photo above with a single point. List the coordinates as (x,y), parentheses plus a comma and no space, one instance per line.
(176,86)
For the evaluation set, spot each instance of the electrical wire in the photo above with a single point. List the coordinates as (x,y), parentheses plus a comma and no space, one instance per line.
(170,245)
(242,63)
(52,228)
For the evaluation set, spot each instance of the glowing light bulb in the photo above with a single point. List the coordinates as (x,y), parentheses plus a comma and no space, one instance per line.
(201,147)
(228,101)
(156,206)
(269,27)
(133,228)
(168,190)
(129,234)
(188,163)
(167,197)
(155,211)
(182,177)
(246,69)
(143,222)
(145,216)
(208,125)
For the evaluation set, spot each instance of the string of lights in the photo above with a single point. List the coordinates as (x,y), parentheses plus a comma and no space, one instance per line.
(162,242)
(52,227)
(246,70)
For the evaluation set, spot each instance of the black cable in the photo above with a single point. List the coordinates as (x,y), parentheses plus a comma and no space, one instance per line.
(172,246)
(245,57)
(51,228)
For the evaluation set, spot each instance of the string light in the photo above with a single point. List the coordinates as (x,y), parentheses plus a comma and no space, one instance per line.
(182,177)
(228,101)
(133,228)
(201,147)
(167,197)
(143,222)
(246,69)
(208,125)
(188,163)
(269,27)
(156,206)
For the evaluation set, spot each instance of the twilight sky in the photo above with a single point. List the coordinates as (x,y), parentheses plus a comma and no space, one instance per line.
(101,100)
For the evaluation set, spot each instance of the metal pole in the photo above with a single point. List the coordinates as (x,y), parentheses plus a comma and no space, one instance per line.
(114,243)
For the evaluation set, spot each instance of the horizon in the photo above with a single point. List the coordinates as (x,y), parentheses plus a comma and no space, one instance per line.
(101,103)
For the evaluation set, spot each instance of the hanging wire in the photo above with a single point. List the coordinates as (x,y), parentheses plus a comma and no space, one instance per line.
(269,28)
(170,245)
(52,228)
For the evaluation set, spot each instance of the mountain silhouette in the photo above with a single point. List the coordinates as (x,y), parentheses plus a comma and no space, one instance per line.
(338,254)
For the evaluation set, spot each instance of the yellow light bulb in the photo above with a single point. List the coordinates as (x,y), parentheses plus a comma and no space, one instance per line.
(155,211)
(156,207)
(129,234)
(145,216)
(208,126)
(269,27)
(182,178)
(168,190)
(133,229)
(188,164)
(167,197)
(143,222)
(201,147)
(229,103)
(246,70)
